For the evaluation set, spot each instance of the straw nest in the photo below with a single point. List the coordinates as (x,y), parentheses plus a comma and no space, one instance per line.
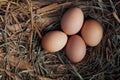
(24,22)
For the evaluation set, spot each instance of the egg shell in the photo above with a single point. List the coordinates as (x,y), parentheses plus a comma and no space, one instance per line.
(92,32)
(75,48)
(54,41)
(72,21)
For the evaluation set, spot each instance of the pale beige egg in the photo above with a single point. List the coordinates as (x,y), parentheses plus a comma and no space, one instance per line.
(54,41)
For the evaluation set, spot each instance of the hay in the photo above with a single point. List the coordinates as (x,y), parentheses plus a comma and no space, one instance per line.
(24,22)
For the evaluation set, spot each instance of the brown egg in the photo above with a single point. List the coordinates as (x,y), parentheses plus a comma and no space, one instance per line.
(72,21)
(75,49)
(54,41)
(92,32)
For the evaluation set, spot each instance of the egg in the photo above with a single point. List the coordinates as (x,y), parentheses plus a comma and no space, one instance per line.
(92,32)
(54,41)
(75,48)
(72,21)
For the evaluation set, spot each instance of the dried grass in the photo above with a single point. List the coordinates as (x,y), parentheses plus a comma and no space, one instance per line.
(22,25)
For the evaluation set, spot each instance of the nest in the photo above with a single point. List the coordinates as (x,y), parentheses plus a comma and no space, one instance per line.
(24,22)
